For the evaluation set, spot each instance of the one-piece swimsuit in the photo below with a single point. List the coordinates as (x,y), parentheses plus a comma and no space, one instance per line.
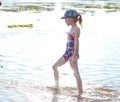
(69,47)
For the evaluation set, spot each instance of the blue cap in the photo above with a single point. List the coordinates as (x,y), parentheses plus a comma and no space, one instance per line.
(70,13)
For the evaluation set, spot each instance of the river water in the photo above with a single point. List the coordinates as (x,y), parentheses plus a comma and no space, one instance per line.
(27,54)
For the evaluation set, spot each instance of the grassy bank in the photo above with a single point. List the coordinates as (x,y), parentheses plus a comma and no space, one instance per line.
(106,6)
(43,6)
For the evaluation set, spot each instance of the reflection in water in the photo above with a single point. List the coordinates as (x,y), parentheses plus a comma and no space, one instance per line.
(55,95)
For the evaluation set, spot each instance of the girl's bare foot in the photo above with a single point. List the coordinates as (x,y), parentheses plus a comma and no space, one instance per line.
(79,96)
(56,84)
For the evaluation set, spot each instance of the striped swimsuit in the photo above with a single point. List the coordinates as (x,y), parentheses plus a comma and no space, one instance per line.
(69,47)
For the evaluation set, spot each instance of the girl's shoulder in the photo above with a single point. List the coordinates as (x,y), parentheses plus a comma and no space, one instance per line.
(76,30)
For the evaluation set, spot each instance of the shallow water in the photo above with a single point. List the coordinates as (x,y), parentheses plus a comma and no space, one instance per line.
(27,54)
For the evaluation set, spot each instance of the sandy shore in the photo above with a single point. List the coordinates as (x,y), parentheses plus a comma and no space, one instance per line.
(69,94)
(34,92)
(50,94)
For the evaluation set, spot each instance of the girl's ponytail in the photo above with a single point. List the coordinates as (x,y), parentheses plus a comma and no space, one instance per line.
(80,19)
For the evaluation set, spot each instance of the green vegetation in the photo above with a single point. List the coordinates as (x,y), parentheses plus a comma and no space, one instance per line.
(31,8)
(37,7)
(20,25)
(106,6)
(111,6)
(49,6)
(92,6)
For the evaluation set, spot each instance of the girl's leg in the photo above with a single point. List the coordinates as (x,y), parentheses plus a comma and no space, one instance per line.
(60,62)
(74,66)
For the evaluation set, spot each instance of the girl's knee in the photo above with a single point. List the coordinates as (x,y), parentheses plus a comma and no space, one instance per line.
(54,67)
(73,63)
(76,74)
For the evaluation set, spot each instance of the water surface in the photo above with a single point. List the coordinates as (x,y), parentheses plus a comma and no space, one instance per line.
(27,54)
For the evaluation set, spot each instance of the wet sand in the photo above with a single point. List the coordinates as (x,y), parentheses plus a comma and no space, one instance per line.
(31,92)
(69,94)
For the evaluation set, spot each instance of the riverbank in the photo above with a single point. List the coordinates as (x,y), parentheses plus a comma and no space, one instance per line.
(49,6)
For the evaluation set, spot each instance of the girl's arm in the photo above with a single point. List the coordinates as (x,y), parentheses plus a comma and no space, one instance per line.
(76,43)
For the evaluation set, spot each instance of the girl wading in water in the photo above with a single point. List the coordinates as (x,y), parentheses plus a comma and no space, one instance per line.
(72,48)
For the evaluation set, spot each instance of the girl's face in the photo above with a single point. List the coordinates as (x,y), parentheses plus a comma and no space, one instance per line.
(68,21)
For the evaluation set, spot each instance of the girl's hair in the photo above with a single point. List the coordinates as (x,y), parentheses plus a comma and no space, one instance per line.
(79,19)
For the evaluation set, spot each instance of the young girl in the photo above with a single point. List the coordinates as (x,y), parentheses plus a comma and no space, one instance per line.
(71,54)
